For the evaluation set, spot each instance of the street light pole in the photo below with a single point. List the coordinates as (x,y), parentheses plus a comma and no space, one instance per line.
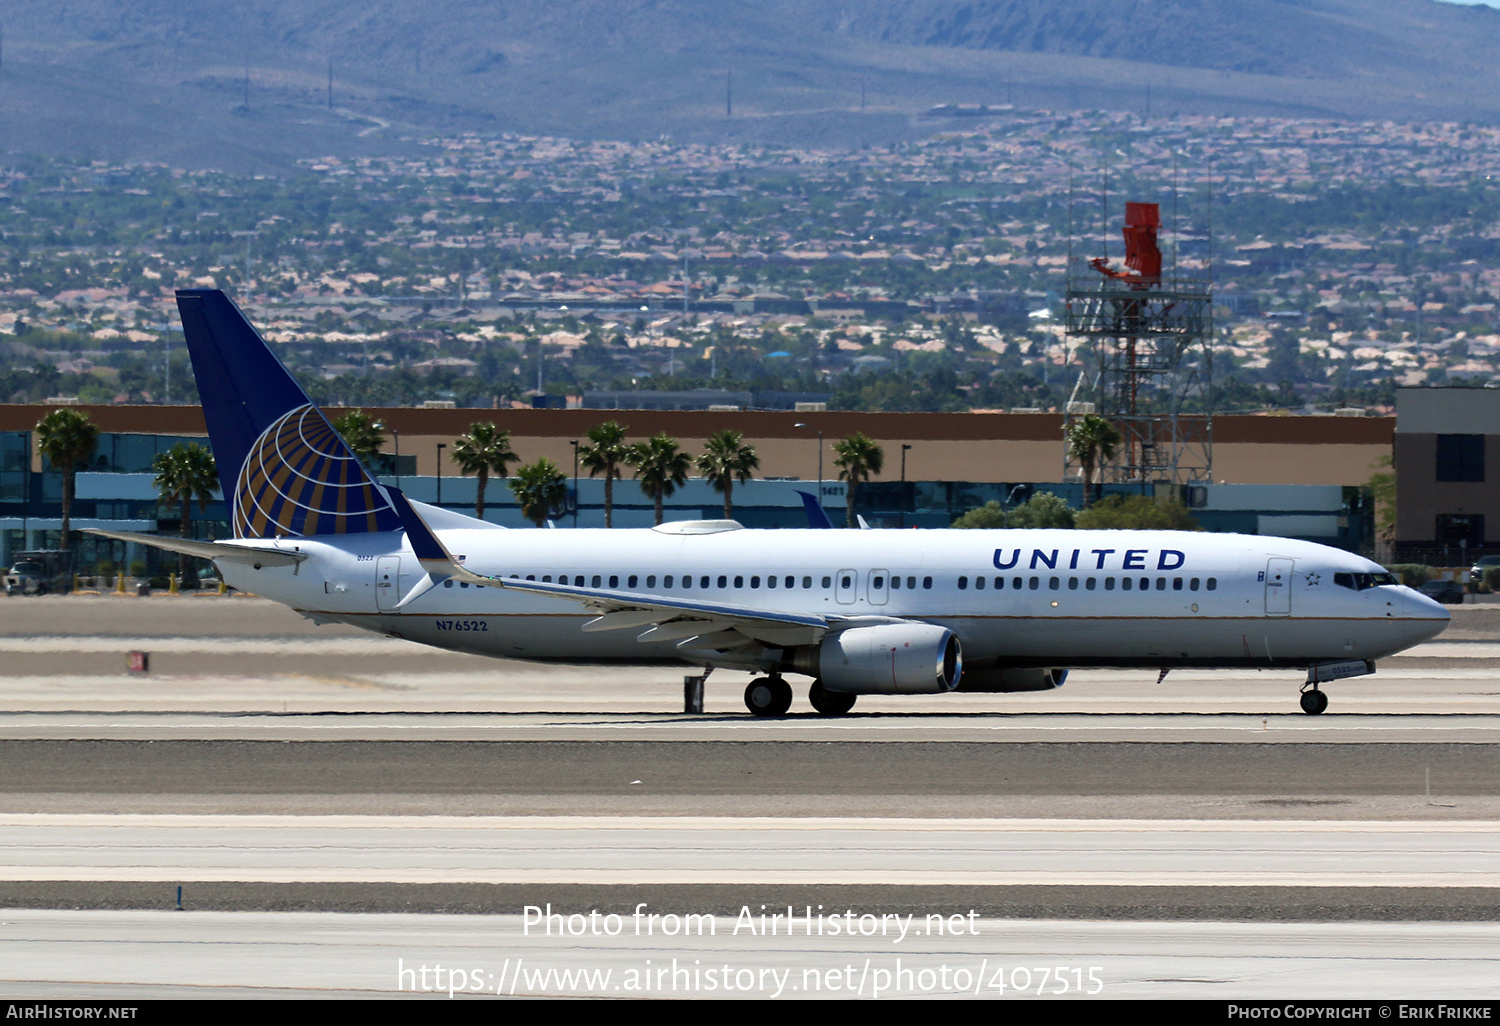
(440,447)
(820,463)
(904,448)
(574,444)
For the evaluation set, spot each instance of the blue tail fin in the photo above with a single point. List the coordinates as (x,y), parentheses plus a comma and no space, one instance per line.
(284,469)
(817,516)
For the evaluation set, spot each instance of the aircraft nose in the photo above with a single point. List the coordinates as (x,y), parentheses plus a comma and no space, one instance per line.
(1427,617)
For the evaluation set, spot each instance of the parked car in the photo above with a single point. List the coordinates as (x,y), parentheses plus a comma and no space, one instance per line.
(1448,592)
(1476,572)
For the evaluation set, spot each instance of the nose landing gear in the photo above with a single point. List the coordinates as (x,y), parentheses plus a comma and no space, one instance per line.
(1313,700)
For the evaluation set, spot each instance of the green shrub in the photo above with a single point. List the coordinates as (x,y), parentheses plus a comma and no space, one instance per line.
(1413,575)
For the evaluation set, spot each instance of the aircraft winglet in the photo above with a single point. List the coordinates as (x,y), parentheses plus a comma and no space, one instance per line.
(431,553)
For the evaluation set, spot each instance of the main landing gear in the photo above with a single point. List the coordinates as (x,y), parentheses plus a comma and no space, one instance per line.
(772,696)
(829,703)
(768,696)
(1313,700)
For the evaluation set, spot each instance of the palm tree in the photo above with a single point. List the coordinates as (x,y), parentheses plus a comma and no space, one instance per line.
(725,461)
(660,466)
(483,450)
(1091,440)
(67,438)
(363,434)
(183,473)
(859,459)
(539,489)
(608,455)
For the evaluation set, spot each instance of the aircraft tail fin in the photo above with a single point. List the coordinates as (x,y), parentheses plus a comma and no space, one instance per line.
(817,516)
(284,469)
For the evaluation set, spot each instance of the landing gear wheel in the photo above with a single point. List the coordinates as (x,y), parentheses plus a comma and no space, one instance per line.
(768,696)
(1314,702)
(829,703)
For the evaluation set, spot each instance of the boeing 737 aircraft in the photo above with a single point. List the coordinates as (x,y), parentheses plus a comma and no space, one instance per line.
(859,612)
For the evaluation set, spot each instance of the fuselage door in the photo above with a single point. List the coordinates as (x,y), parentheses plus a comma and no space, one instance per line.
(1279,586)
(387,583)
(879,581)
(846,586)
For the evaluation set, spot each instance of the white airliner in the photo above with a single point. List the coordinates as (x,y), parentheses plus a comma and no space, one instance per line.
(859,612)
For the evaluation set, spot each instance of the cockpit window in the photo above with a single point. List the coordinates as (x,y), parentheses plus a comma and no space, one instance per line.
(1359,582)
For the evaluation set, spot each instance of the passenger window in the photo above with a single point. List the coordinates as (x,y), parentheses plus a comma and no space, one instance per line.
(1109,584)
(1053,583)
(1015,583)
(963,584)
(651,581)
(978,583)
(546,578)
(927,584)
(911,583)
(1089,584)
(597,580)
(1125,584)
(846,582)
(1213,584)
(632,581)
(771,581)
(739,582)
(1161,584)
(667,581)
(578,581)
(790,582)
(755,582)
(1072,584)
(703,582)
(1036,582)
(449,582)
(614,580)
(807,582)
(1177,584)
(827,583)
(723,581)
(531,577)
(1193,584)
(895,584)
(878,583)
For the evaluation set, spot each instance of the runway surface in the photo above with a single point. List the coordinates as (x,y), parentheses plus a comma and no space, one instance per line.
(1196,837)
(141,955)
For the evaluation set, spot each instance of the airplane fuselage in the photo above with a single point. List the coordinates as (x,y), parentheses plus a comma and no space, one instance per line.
(1014,598)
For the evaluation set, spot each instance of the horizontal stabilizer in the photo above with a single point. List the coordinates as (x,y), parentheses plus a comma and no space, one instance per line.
(233,553)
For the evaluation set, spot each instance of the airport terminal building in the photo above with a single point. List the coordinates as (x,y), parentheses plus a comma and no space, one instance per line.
(1300,477)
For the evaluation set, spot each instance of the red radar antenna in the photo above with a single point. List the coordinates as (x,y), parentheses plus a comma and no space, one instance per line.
(1142,255)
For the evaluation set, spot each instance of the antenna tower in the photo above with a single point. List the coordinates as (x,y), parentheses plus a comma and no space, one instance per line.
(1146,340)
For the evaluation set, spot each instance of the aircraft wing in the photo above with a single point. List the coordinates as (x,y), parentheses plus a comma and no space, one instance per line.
(694,623)
(249,554)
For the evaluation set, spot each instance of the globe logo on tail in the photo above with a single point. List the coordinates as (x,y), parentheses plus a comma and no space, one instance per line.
(301,479)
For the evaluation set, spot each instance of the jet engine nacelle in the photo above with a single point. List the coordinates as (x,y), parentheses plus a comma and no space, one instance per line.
(1011,679)
(890,659)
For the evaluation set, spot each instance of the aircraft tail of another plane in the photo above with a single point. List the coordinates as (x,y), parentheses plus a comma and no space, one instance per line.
(285,470)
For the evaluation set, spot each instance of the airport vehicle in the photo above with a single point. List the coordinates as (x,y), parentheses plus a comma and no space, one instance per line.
(1476,572)
(1449,593)
(859,612)
(37,573)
